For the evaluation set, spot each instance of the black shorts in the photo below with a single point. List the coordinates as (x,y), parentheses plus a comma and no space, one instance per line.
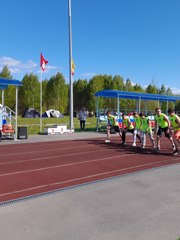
(165,130)
(128,130)
(116,129)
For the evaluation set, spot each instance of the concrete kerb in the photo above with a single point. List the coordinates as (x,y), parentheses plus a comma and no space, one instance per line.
(56,137)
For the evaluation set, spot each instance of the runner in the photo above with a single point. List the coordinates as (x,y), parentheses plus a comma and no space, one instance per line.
(146,129)
(137,126)
(162,124)
(112,123)
(127,126)
(175,124)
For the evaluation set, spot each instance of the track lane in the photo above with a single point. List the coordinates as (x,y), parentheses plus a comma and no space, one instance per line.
(34,176)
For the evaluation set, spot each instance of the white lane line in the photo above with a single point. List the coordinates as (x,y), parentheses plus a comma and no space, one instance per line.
(86,177)
(39,144)
(53,156)
(44,150)
(63,165)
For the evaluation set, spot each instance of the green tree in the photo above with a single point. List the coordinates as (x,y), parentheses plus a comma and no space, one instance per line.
(95,84)
(177,107)
(151,89)
(108,82)
(138,88)
(128,104)
(128,85)
(10,92)
(29,93)
(44,87)
(5,73)
(57,93)
(162,90)
(169,92)
(118,83)
(80,94)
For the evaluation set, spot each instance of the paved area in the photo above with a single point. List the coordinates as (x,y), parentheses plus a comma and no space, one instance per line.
(57,137)
(140,206)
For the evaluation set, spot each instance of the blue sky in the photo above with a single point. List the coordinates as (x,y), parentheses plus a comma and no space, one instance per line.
(137,39)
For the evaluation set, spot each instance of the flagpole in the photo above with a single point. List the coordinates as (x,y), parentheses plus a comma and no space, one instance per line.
(41,103)
(70,69)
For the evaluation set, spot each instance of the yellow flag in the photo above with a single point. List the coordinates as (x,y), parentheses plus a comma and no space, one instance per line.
(72,67)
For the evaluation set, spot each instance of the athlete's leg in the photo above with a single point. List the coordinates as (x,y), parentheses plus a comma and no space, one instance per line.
(108,133)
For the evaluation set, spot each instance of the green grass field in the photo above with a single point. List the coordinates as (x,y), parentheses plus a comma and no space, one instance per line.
(33,124)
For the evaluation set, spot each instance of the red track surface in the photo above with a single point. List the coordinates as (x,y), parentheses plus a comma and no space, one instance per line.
(29,169)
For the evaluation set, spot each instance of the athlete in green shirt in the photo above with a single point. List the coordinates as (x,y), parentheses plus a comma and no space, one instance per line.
(162,124)
(127,126)
(112,123)
(175,125)
(137,126)
(146,129)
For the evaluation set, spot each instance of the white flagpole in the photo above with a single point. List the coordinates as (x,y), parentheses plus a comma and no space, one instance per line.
(70,68)
(41,103)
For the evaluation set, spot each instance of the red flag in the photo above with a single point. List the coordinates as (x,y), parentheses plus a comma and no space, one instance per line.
(43,62)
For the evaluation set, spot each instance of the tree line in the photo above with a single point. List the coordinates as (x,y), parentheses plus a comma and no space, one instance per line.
(55,92)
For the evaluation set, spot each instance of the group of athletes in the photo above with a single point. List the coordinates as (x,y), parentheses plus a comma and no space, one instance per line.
(169,125)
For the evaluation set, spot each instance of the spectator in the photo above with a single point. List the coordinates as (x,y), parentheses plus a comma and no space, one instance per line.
(82,118)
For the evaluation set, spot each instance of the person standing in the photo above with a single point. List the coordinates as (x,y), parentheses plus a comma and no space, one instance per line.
(82,118)
(162,124)
(112,122)
(175,124)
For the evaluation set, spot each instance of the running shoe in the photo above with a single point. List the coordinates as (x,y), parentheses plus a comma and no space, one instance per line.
(134,144)
(173,147)
(176,152)
(107,141)
(123,143)
(158,149)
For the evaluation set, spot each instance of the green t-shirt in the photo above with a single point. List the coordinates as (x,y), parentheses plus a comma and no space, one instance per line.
(126,122)
(145,125)
(112,120)
(161,121)
(173,122)
(137,122)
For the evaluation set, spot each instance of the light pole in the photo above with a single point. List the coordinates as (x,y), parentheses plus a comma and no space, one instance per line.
(70,69)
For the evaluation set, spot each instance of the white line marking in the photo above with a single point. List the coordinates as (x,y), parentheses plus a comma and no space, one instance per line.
(44,150)
(63,165)
(82,178)
(52,156)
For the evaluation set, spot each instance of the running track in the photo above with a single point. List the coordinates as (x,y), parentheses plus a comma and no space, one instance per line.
(36,168)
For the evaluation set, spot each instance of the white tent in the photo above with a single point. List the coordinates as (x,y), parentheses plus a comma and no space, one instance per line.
(52,113)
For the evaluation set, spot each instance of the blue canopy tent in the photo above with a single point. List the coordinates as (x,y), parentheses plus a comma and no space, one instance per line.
(138,96)
(4,83)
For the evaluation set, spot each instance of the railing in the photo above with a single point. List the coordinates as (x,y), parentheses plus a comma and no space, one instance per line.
(9,116)
(8,122)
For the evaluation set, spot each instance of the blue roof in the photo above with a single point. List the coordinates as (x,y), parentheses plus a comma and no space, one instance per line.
(136,95)
(4,83)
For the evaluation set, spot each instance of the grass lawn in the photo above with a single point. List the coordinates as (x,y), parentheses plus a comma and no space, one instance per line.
(33,124)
